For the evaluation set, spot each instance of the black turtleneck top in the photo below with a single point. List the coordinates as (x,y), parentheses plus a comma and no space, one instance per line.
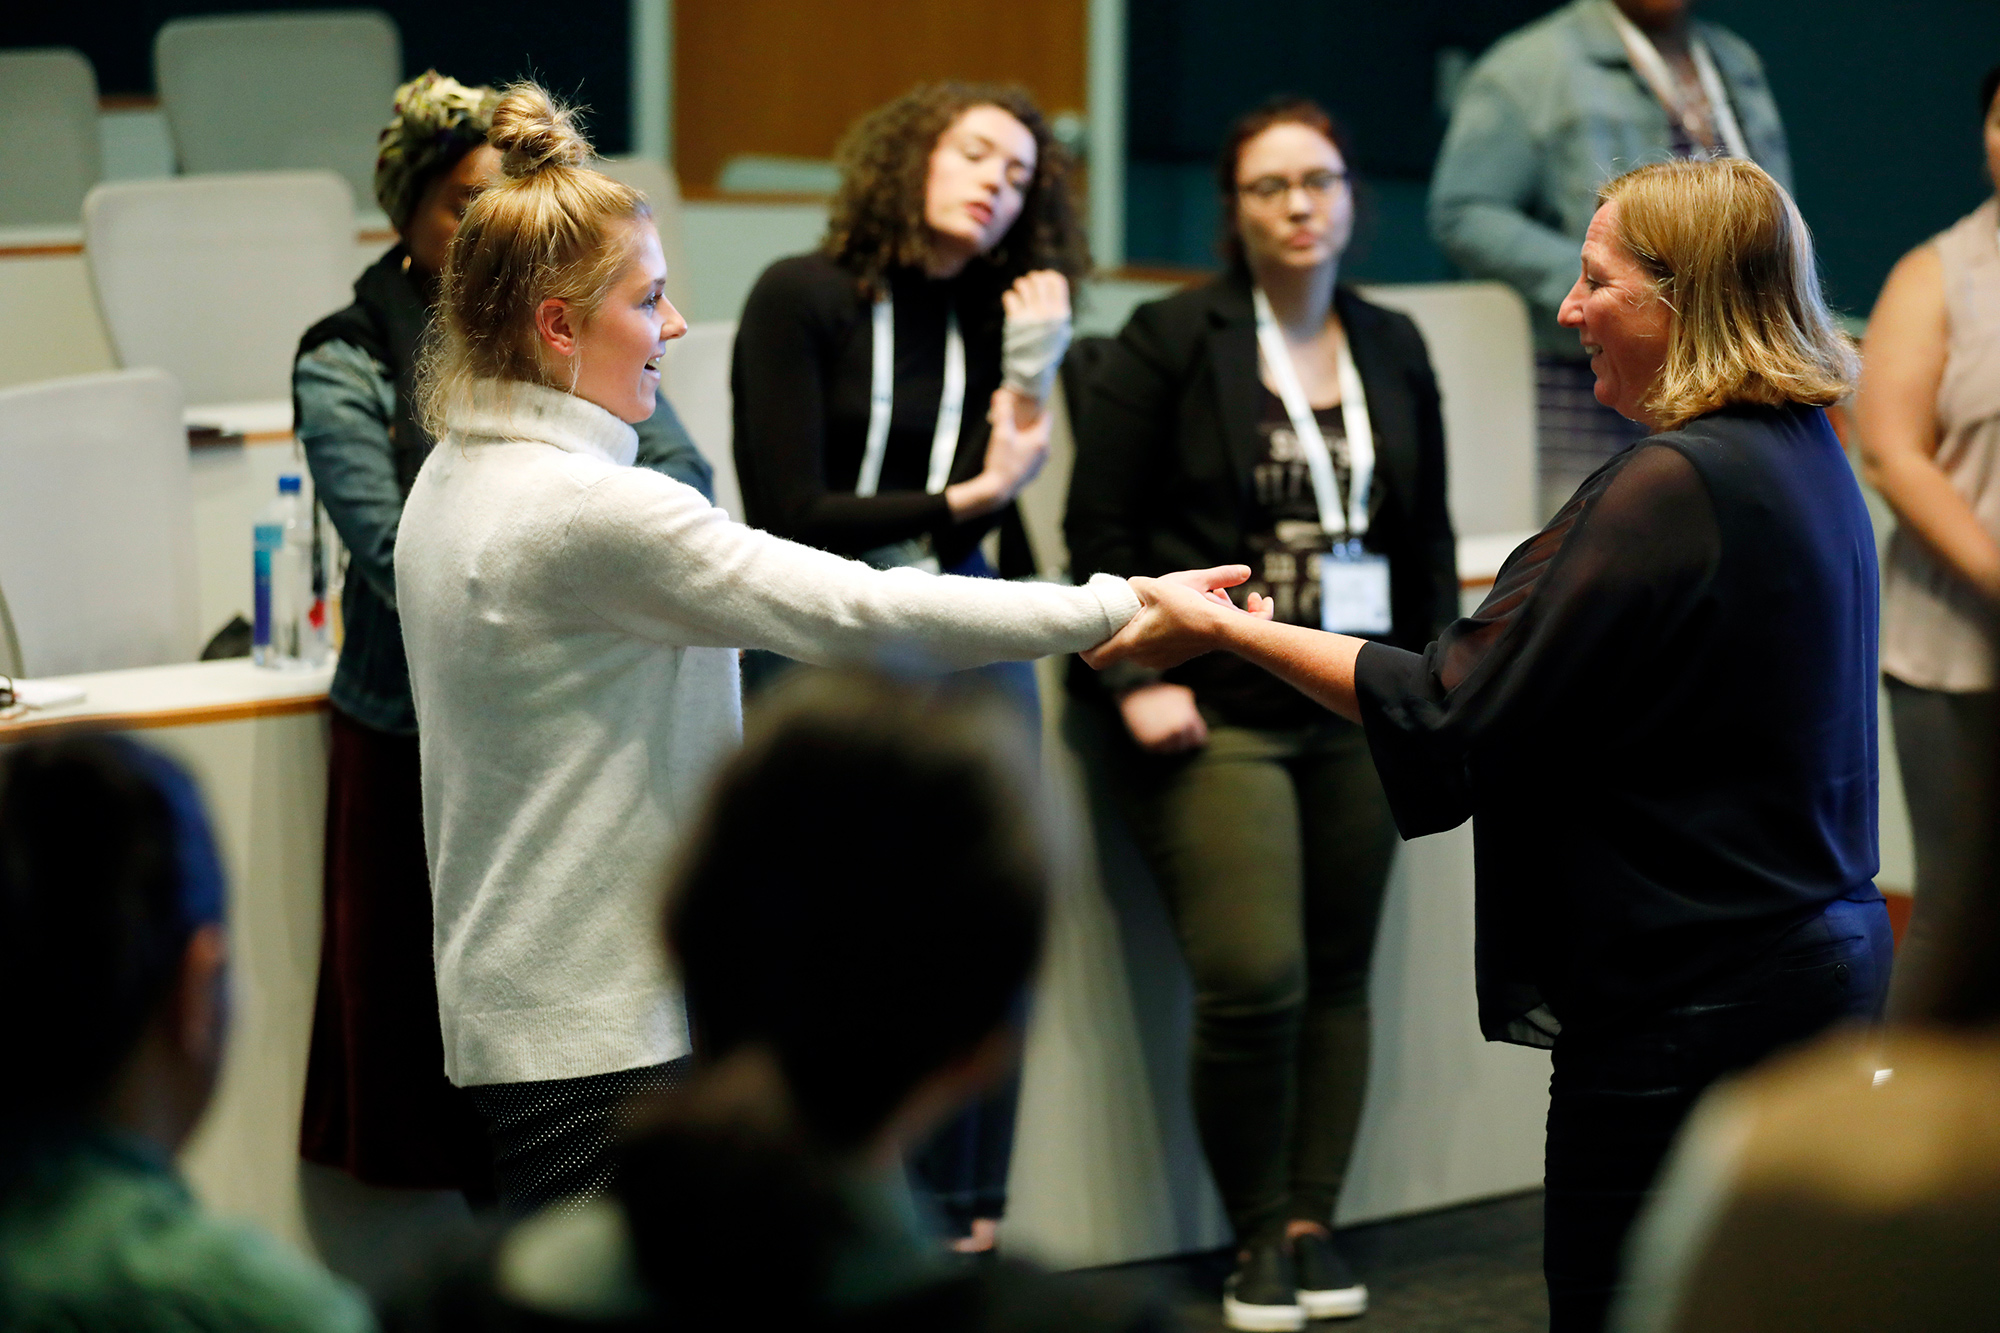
(800,380)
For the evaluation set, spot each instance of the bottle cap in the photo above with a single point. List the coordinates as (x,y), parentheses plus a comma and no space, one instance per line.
(288,485)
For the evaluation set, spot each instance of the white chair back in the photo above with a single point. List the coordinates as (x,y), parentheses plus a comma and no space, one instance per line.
(49,153)
(97,523)
(656,181)
(214,278)
(1484,357)
(696,374)
(279,92)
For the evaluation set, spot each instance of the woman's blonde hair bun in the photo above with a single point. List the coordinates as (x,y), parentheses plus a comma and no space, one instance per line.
(534,132)
(554,227)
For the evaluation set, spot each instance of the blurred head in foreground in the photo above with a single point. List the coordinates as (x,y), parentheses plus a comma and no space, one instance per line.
(111,944)
(865,832)
(904,826)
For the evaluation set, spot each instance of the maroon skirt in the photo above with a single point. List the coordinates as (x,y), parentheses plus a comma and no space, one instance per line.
(378,1105)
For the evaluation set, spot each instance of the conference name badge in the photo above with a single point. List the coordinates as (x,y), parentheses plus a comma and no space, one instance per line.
(1353,590)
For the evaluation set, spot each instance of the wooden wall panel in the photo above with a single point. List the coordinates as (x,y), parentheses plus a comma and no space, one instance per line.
(788,76)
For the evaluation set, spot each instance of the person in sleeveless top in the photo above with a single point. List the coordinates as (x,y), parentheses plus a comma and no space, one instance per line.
(1929,416)
(1661,721)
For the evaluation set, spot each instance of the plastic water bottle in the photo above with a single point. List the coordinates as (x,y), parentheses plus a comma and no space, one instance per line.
(288,628)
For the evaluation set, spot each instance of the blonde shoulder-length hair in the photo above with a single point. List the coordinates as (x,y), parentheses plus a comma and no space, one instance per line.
(1730,255)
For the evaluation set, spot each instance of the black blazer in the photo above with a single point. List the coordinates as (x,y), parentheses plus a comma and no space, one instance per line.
(1165,418)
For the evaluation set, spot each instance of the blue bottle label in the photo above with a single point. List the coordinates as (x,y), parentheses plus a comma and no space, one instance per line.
(268,538)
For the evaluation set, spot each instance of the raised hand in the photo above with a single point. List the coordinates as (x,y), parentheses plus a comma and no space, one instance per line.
(1015,452)
(1035,336)
(1043,294)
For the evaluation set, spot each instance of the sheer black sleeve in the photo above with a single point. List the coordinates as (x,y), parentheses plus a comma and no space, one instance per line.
(1579,616)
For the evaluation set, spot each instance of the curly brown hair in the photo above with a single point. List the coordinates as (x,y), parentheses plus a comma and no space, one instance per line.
(877,220)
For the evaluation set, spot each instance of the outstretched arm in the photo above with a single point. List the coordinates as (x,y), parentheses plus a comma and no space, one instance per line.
(1176,622)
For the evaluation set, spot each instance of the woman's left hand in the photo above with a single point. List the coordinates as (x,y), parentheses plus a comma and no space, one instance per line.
(1180,616)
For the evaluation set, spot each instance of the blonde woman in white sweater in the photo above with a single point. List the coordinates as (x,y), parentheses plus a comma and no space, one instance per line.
(571,623)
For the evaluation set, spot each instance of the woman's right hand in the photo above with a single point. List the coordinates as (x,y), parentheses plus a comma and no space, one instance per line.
(1015,452)
(1163,718)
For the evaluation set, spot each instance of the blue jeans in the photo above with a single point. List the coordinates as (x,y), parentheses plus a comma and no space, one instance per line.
(1617,1097)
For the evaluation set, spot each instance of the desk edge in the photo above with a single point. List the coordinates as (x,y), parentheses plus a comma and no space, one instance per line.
(154,719)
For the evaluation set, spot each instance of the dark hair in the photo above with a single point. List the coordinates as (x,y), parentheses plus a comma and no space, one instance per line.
(877,219)
(1988,87)
(1285,109)
(95,914)
(864,896)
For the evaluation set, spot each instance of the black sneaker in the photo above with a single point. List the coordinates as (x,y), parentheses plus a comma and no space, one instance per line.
(1261,1295)
(1327,1286)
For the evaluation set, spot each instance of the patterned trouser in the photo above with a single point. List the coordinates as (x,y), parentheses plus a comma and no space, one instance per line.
(558,1139)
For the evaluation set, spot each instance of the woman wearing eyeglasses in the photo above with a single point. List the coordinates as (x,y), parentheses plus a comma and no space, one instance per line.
(1272,418)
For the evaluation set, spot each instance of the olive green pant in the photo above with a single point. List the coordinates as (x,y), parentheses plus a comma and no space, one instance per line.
(1272,848)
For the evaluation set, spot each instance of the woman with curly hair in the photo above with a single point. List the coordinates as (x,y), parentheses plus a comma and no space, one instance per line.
(889,386)
(890,393)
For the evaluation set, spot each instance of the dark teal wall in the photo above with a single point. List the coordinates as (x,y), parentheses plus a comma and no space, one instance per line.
(1881,101)
(1878,96)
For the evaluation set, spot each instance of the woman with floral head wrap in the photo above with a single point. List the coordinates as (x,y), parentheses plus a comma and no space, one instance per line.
(378,1105)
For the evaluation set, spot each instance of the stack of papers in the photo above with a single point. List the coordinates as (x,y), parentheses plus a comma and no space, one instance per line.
(46,693)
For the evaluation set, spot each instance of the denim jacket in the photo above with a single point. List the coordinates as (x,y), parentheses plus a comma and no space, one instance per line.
(1546,117)
(346,403)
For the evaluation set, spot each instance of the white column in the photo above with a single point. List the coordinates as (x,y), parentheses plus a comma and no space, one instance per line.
(652,39)
(1107,132)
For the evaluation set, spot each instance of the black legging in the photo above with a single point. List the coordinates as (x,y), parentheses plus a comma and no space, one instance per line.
(1272,849)
(1617,1098)
(1944,748)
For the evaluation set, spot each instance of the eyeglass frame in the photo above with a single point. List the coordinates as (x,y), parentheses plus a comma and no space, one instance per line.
(1317,191)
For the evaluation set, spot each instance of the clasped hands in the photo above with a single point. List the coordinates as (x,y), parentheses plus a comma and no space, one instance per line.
(1180,616)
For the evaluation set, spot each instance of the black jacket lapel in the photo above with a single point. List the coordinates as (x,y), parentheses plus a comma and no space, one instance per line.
(1388,400)
(1238,388)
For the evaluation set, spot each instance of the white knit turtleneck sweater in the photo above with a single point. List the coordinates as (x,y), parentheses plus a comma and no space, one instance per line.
(571,623)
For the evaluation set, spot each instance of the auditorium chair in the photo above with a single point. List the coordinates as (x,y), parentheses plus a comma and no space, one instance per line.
(279,92)
(215,277)
(97,551)
(49,154)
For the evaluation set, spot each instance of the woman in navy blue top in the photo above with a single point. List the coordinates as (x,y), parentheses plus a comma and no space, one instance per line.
(1662,721)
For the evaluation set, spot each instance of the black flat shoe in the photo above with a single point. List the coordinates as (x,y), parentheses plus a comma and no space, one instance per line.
(1327,1286)
(1262,1295)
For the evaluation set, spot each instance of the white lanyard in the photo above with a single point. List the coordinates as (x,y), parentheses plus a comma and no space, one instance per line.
(1652,67)
(882,401)
(1354,412)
